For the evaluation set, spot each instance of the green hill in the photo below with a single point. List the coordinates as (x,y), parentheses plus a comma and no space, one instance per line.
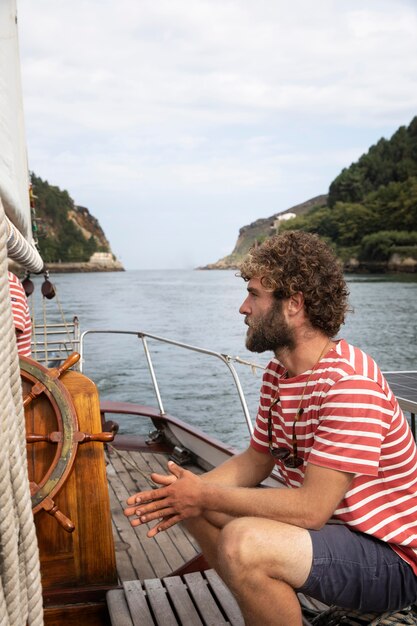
(65,232)
(370,213)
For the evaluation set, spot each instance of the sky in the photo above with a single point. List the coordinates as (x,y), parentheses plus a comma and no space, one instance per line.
(177,122)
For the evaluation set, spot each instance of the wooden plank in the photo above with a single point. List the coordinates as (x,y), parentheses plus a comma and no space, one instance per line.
(118,608)
(182,602)
(225,598)
(150,547)
(77,615)
(172,603)
(160,557)
(138,556)
(136,551)
(202,597)
(157,598)
(168,546)
(137,602)
(144,464)
(169,558)
(183,540)
(125,569)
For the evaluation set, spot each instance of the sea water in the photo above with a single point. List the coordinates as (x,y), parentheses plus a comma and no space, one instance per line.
(201,308)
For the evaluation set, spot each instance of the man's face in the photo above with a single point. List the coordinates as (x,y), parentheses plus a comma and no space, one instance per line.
(268,328)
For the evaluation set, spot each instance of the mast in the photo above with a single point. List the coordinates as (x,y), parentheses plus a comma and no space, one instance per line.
(14,173)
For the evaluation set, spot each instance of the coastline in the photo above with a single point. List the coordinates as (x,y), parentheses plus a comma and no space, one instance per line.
(396,264)
(68,268)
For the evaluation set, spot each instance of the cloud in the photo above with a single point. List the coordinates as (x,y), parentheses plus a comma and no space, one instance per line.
(228,101)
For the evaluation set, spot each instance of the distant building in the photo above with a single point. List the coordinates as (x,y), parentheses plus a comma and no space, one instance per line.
(282,218)
(102,258)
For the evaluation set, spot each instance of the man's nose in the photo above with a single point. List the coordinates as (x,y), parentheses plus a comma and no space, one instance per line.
(244,308)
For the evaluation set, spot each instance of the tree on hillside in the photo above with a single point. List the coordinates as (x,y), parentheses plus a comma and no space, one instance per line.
(393,160)
(381,245)
(395,205)
(59,238)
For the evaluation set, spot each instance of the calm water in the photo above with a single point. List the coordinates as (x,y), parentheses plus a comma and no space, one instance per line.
(201,308)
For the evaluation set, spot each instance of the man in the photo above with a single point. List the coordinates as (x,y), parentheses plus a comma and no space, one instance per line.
(21,315)
(345,532)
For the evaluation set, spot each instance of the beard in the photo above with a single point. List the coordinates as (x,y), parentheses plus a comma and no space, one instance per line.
(269,332)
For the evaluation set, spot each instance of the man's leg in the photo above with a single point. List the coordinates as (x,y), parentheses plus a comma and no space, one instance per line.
(206,530)
(262,562)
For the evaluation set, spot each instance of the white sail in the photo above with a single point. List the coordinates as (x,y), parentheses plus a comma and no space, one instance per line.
(14,183)
(14,174)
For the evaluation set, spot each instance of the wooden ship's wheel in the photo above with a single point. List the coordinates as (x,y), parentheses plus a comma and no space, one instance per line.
(68,485)
(64,439)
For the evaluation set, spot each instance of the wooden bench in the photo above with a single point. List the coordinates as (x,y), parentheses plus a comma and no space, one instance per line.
(196,599)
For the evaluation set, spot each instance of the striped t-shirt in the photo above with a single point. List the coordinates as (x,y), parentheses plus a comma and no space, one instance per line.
(21,315)
(351,422)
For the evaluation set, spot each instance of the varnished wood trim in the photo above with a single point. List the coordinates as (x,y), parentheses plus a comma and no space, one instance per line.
(77,595)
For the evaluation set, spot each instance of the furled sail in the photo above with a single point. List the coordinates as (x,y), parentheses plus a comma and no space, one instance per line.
(14,175)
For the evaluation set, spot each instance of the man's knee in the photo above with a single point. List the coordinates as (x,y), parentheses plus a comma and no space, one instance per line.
(243,544)
(250,547)
(234,542)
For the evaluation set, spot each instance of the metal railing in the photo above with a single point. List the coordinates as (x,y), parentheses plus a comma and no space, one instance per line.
(224,358)
(56,342)
(53,343)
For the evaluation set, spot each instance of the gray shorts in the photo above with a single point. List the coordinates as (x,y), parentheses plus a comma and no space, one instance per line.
(355,571)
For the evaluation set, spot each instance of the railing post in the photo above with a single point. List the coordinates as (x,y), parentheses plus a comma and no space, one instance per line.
(228,361)
(152,373)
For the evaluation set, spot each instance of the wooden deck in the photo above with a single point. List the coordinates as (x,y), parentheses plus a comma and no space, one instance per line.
(149,596)
(197,599)
(137,556)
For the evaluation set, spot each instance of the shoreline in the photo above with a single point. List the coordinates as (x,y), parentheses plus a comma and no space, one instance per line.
(73,268)
(394,266)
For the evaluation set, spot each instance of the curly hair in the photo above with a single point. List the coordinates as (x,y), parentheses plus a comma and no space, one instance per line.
(297,261)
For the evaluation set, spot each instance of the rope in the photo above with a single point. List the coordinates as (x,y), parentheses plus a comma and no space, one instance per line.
(34,336)
(45,331)
(21,251)
(253,366)
(20,589)
(67,340)
(64,321)
(132,464)
(335,616)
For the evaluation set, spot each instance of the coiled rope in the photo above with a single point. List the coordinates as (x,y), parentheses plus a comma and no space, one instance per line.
(20,588)
(335,616)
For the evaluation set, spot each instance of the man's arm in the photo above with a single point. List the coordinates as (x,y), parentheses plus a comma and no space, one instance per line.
(247,469)
(309,506)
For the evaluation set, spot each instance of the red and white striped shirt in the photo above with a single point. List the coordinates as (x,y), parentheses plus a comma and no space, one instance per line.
(21,315)
(351,422)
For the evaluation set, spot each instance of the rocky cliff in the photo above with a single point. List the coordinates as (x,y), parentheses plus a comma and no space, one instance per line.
(69,237)
(261,229)
(89,226)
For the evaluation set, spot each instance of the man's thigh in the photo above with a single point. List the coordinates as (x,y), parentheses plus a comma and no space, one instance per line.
(279,550)
(353,570)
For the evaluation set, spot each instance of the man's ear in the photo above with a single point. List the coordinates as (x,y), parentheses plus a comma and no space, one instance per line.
(295,303)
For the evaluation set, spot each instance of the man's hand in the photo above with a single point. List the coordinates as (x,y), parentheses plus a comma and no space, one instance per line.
(179,498)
